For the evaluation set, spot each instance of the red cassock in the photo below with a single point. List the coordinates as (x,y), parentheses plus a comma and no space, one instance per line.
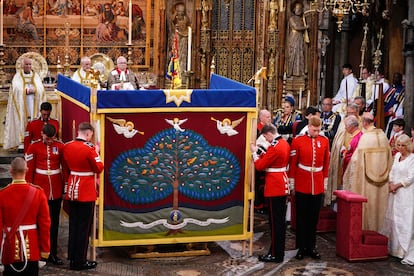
(44,167)
(275,162)
(309,163)
(31,240)
(81,162)
(34,130)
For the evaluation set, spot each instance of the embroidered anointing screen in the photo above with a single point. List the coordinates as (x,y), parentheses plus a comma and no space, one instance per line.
(177,162)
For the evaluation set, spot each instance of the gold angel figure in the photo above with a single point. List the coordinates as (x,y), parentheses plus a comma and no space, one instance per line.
(227,126)
(125,128)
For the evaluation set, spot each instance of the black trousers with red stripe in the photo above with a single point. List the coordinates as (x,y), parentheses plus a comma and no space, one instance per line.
(277,223)
(307,215)
(80,221)
(54,208)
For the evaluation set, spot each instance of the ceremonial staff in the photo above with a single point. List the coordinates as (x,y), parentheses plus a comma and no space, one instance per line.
(378,53)
(363,49)
(258,77)
(96,125)
(379,105)
(361,66)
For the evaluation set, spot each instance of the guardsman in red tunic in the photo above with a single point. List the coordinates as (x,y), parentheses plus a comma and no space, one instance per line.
(44,159)
(81,163)
(308,177)
(34,128)
(24,228)
(274,162)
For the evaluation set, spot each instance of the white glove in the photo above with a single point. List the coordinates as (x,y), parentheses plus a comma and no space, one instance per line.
(325,183)
(291,184)
(255,156)
(42,264)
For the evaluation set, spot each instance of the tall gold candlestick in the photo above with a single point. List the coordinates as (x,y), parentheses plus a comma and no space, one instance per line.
(1,23)
(130,23)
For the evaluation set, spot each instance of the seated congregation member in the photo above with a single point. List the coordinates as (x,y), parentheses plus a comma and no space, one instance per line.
(274,162)
(260,204)
(285,117)
(33,131)
(264,119)
(308,178)
(398,126)
(121,78)
(393,102)
(399,219)
(302,126)
(330,120)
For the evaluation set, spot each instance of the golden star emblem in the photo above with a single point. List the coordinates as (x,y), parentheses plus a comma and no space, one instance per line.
(178,96)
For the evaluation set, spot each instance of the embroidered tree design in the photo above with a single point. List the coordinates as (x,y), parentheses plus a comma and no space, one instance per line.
(174,162)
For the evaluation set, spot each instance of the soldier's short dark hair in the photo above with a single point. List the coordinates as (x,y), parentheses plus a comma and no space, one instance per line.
(85,126)
(46,106)
(18,165)
(268,128)
(49,130)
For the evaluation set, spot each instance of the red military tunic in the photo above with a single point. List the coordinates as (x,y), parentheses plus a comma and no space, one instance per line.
(309,163)
(81,162)
(275,162)
(34,226)
(34,130)
(44,167)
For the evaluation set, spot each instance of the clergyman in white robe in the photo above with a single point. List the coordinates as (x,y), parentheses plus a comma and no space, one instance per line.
(22,107)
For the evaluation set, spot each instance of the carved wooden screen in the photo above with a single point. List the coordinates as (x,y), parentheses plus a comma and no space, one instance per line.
(233,38)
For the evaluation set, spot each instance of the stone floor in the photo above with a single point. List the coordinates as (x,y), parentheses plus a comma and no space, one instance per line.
(226,259)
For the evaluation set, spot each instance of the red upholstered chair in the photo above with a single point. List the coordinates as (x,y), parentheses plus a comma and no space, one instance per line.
(326,221)
(353,243)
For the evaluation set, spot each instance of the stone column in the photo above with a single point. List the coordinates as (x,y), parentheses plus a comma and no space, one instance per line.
(408,25)
(341,54)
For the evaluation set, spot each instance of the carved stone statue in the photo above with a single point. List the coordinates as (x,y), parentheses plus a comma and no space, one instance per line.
(180,23)
(274,10)
(204,12)
(296,42)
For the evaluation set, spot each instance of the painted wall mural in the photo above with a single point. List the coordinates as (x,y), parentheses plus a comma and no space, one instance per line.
(63,31)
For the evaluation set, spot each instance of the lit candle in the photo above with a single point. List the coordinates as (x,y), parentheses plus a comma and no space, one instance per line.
(189,50)
(308,100)
(1,23)
(300,99)
(130,23)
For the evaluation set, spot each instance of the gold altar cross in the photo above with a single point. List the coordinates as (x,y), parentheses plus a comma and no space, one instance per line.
(67,32)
